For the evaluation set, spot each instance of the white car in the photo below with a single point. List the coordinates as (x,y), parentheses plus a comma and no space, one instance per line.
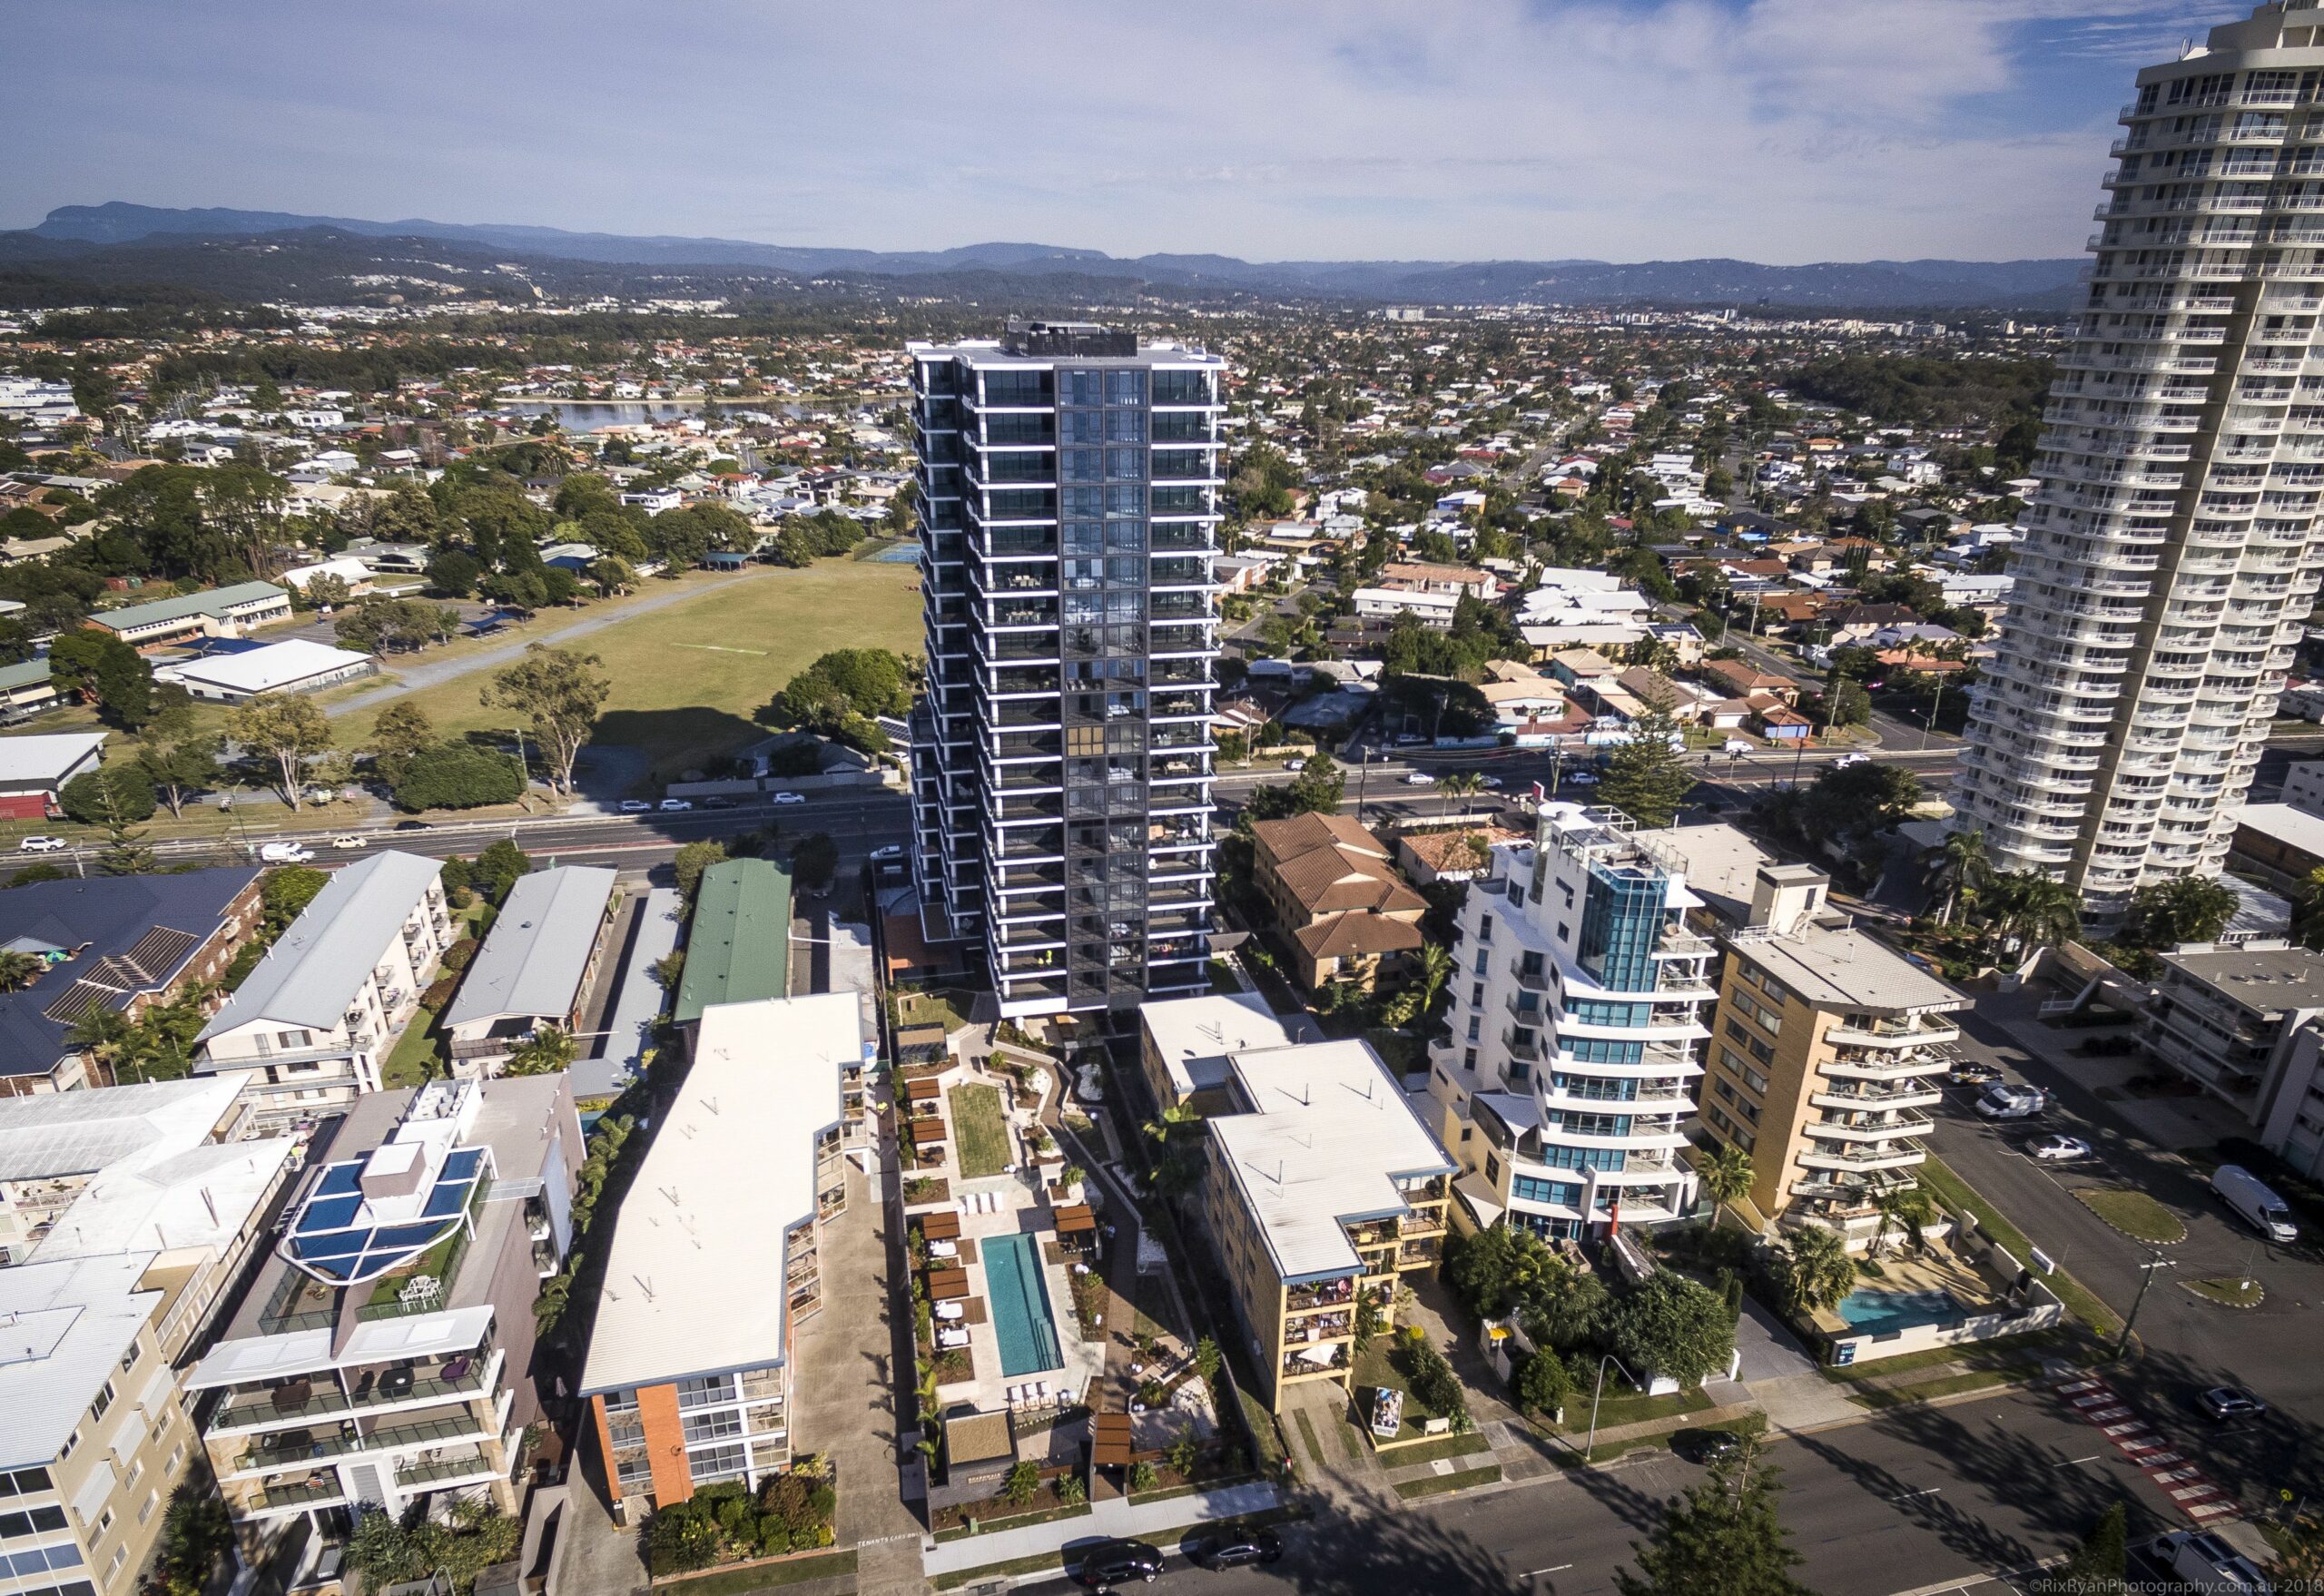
(675,805)
(1493,783)
(882,855)
(1580,778)
(2060,1150)
(348,841)
(42,845)
(1420,778)
(791,798)
(285,854)
(636,806)
(1846,760)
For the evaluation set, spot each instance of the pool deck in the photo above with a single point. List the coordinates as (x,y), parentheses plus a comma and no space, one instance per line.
(1022,1213)
(1933,1269)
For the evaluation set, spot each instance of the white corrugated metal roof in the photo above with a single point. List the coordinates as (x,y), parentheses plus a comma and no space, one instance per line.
(308,977)
(694,1282)
(538,950)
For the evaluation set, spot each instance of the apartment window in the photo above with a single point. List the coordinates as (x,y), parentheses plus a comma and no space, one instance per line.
(1492,1168)
(1476,994)
(103,1523)
(177,1456)
(23,1482)
(1476,1028)
(631,1473)
(1725,1089)
(1484,927)
(129,1358)
(39,1521)
(291,1039)
(136,1471)
(71,1442)
(145,1511)
(113,1567)
(702,1391)
(718,1463)
(1536,1190)
(103,1401)
(1469,1060)
(1482,961)
(715,1425)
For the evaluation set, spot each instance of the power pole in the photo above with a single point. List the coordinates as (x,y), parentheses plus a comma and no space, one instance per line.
(2146,1278)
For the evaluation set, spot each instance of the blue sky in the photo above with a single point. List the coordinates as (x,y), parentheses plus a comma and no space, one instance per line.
(1770,130)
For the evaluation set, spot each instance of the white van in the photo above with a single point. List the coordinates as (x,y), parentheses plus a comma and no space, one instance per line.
(284,854)
(2003,1100)
(2260,1208)
(2210,1564)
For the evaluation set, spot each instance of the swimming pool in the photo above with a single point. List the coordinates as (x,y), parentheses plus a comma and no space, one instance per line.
(1881,1313)
(1022,1321)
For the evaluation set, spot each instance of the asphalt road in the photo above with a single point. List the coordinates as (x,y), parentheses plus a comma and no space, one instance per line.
(2189,1344)
(1924,1499)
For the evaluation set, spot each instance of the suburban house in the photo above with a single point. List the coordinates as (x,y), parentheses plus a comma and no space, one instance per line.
(535,966)
(1340,905)
(220,612)
(122,943)
(381,1355)
(34,770)
(293,665)
(1433,609)
(1322,1189)
(312,1023)
(26,688)
(1184,1044)
(716,1255)
(1419,577)
(1737,679)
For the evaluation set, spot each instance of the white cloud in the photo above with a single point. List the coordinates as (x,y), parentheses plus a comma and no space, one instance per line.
(1774,130)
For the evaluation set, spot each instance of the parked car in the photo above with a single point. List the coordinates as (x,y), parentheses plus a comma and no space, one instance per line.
(2254,1202)
(2058,1149)
(41,844)
(414,825)
(1237,1548)
(2004,1101)
(718,803)
(882,855)
(1704,1447)
(1580,778)
(284,854)
(675,805)
(636,806)
(1846,760)
(348,840)
(1117,1563)
(1974,1072)
(790,797)
(2225,1403)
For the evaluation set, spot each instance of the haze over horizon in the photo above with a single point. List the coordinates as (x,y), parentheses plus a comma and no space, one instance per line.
(1776,131)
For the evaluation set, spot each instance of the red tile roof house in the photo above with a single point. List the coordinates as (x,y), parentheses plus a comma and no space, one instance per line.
(1740,680)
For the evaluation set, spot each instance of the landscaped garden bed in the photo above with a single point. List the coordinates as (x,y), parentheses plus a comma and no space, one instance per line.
(926,1189)
(1408,1362)
(724,1524)
(1030,1494)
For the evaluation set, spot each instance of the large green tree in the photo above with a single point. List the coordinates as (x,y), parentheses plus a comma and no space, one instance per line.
(1647,776)
(2191,909)
(559,692)
(287,729)
(1671,1326)
(1722,1538)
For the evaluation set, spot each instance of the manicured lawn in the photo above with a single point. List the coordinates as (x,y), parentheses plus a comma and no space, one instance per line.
(416,1053)
(1438,1484)
(1887,1396)
(764,1576)
(2135,1213)
(1615,1410)
(2229,1293)
(1307,1434)
(687,678)
(939,1006)
(979,1131)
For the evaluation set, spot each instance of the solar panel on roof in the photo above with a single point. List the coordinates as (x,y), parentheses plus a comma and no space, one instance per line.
(335,1244)
(339,1179)
(335,1213)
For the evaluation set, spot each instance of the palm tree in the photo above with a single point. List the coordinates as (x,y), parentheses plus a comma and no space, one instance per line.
(1725,1175)
(19,969)
(2035,910)
(1907,1209)
(1463,784)
(1959,872)
(104,1035)
(1435,975)
(1815,1268)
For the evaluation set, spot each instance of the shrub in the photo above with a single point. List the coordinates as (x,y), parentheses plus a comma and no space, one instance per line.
(1022,1483)
(458,775)
(1142,1477)
(118,794)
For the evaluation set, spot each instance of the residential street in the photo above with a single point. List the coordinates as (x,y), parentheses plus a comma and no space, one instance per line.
(1925,1499)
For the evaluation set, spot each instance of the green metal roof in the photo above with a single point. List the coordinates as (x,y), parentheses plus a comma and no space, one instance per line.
(214,601)
(738,945)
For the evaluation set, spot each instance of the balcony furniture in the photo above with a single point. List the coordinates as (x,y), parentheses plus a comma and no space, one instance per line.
(948,1310)
(396,1382)
(943,1249)
(289,1398)
(457,1369)
(947,1338)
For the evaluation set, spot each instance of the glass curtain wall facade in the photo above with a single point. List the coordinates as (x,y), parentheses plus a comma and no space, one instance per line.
(2170,556)
(1069,494)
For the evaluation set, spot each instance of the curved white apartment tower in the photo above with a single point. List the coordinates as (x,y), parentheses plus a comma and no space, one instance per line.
(1069,496)
(1567,1083)
(2170,554)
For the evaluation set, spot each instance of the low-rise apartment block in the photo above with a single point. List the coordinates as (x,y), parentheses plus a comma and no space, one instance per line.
(1827,1046)
(1567,1086)
(118,942)
(383,1355)
(231,611)
(93,1436)
(2231,1020)
(1323,1190)
(1186,1045)
(1345,913)
(312,1023)
(716,1251)
(535,966)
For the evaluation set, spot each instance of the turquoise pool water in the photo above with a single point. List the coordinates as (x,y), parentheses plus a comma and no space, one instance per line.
(1022,1321)
(1877,1313)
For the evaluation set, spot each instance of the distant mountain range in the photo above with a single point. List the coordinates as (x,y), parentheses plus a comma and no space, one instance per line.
(104,244)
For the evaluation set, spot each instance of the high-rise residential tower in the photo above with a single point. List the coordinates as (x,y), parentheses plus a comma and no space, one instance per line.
(1069,496)
(2173,549)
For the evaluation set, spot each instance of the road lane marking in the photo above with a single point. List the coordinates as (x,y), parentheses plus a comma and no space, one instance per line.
(1529,1573)
(1908,1495)
(2078,1462)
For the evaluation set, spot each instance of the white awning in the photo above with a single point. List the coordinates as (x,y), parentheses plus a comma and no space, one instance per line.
(1322,1356)
(95,1491)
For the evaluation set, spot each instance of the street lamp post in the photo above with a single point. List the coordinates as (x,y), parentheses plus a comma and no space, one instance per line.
(1596,1395)
(2146,1278)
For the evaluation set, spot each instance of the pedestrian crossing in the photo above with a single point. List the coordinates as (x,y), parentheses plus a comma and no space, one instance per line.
(2178,1478)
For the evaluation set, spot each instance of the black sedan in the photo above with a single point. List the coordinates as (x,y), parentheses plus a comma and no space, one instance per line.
(1118,1562)
(1235,1547)
(1706,1446)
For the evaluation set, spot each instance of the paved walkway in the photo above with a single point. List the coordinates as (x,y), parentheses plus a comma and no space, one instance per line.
(434,673)
(1144,1519)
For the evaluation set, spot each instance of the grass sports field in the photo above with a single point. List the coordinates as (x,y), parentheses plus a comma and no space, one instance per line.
(686,679)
